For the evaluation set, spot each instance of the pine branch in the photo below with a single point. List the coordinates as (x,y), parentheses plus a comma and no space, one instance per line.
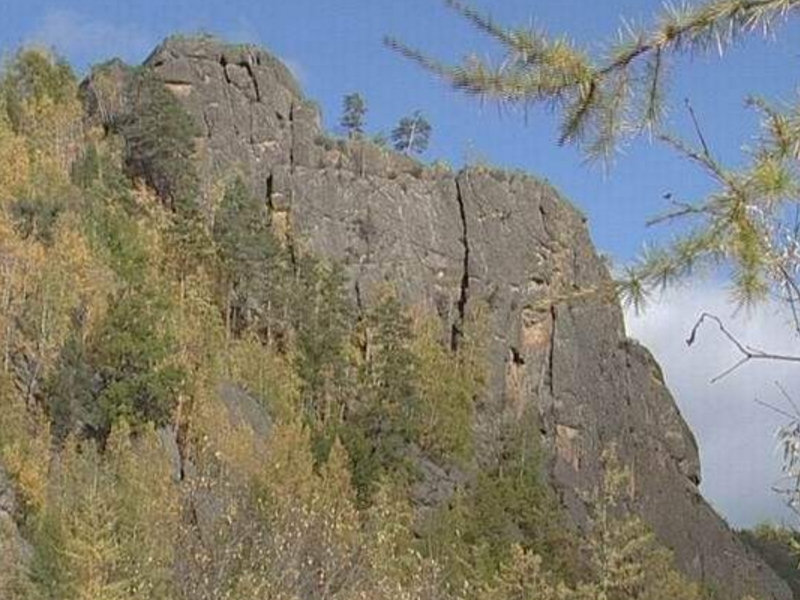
(540,69)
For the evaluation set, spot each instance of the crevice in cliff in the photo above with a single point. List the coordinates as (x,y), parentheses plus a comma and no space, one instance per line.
(244,64)
(461,306)
(227,92)
(291,137)
(224,64)
(249,68)
(283,229)
(270,193)
(551,351)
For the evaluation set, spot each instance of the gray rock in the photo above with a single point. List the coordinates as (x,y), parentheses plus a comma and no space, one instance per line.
(557,341)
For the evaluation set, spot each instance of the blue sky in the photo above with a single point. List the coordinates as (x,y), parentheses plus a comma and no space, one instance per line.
(334,47)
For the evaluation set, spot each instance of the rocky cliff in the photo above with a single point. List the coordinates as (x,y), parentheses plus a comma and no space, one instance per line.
(450,241)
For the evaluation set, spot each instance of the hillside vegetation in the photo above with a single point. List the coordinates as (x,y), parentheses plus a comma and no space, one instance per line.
(189,408)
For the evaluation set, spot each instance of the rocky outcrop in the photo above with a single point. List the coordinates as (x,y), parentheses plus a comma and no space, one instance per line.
(452,241)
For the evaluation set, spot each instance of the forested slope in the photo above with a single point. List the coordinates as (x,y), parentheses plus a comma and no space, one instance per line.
(242,360)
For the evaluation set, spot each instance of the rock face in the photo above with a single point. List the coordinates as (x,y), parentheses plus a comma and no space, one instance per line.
(450,241)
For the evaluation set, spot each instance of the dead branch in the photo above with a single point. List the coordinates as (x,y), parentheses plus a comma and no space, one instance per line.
(749,353)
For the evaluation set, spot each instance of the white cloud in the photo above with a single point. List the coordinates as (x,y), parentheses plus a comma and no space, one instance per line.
(738,447)
(84,40)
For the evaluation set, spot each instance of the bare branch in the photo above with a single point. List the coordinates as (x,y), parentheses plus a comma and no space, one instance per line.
(682,209)
(775,409)
(698,129)
(748,353)
(789,399)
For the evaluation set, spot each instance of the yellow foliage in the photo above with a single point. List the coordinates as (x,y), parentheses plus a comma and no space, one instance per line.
(14,582)
(14,163)
(524,578)
(108,528)
(83,521)
(71,279)
(24,447)
(448,383)
(148,501)
(20,265)
(628,561)
(266,374)
(53,132)
(288,476)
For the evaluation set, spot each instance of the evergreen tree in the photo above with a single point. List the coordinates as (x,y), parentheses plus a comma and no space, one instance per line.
(159,141)
(322,326)
(353,113)
(69,393)
(509,505)
(131,353)
(380,421)
(412,134)
(249,254)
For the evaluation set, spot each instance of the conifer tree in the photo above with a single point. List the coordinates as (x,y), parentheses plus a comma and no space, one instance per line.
(249,256)
(159,142)
(131,352)
(380,421)
(412,134)
(69,398)
(353,113)
(79,555)
(322,327)
(449,385)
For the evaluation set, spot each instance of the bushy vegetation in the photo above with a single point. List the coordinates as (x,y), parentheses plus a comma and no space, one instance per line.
(190,408)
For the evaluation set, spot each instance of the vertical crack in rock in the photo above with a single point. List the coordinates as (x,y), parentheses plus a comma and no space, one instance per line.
(270,194)
(291,137)
(272,210)
(458,326)
(249,68)
(224,64)
(551,352)
(227,93)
